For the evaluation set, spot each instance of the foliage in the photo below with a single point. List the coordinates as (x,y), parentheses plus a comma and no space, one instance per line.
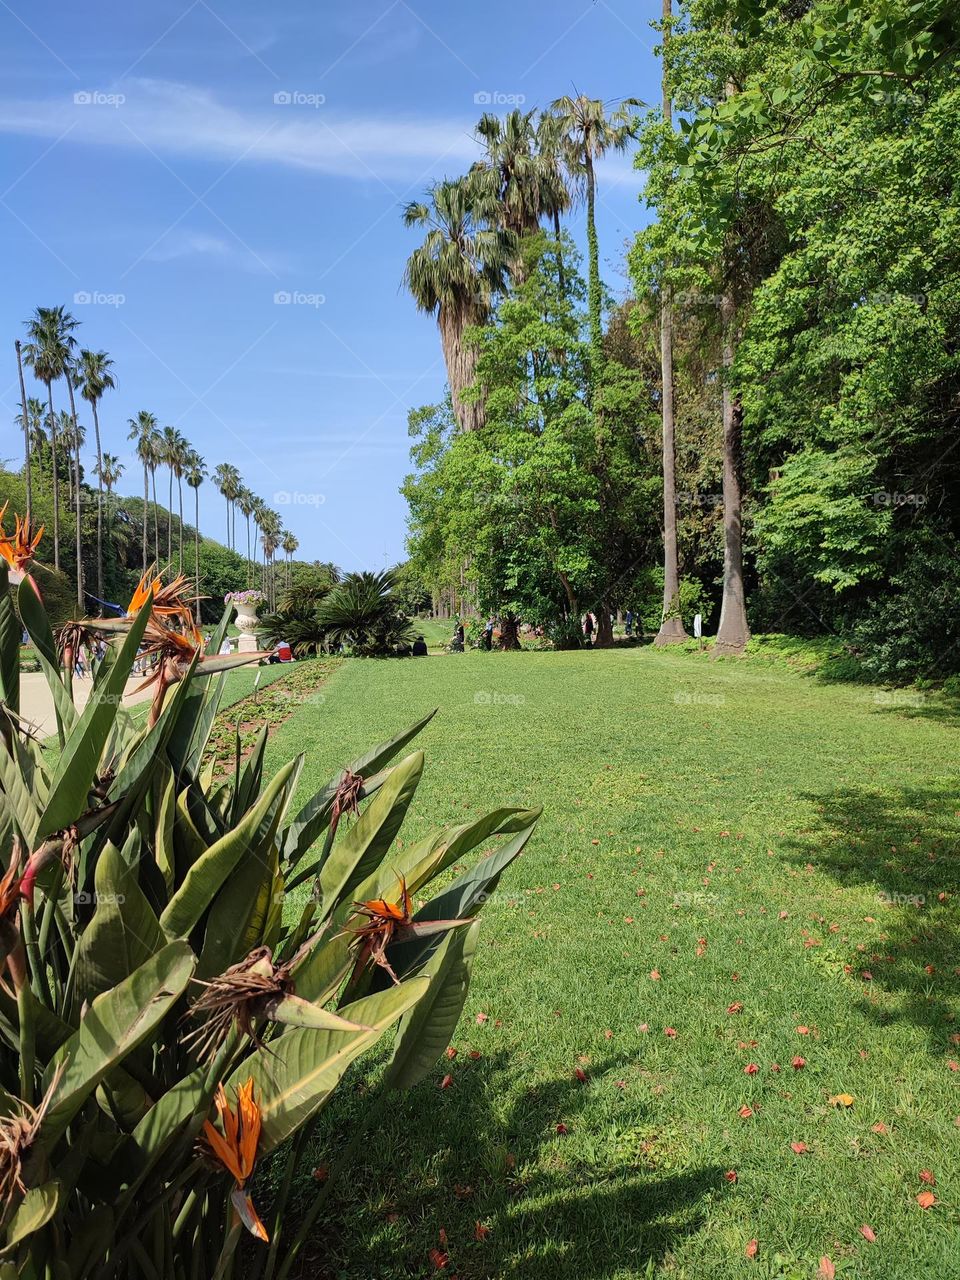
(155,994)
(363,613)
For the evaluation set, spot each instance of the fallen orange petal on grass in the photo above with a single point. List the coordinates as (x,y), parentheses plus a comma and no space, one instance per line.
(826,1270)
(867,1233)
(926,1199)
(799,1147)
(480,1232)
(927,1177)
(751,1249)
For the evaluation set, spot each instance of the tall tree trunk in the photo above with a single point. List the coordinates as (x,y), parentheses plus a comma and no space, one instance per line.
(170,519)
(96,432)
(510,631)
(733,632)
(461,362)
(561,276)
(146,509)
(604,638)
(156,515)
(594,305)
(196,547)
(26,436)
(180,529)
(56,480)
(672,630)
(76,450)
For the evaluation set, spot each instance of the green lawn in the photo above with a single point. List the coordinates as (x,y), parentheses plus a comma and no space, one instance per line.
(728,851)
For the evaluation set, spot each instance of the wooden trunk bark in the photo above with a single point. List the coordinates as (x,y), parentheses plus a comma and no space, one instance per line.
(733,632)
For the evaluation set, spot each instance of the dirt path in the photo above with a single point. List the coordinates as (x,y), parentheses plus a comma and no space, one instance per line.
(36,701)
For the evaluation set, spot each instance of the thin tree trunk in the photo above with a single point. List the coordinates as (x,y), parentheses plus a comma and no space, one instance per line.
(146,508)
(180,529)
(56,485)
(156,518)
(96,432)
(170,518)
(733,632)
(672,630)
(76,449)
(26,436)
(196,548)
(561,276)
(593,281)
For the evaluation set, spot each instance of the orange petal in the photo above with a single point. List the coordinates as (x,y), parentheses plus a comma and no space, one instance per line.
(248,1214)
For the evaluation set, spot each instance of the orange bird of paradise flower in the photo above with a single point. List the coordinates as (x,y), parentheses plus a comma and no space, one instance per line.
(19,549)
(389,922)
(236,1149)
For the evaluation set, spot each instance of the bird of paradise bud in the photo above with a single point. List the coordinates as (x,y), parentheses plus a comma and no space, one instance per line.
(18,1129)
(169,600)
(254,989)
(173,653)
(19,548)
(236,1149)
(12,956)
(387,923)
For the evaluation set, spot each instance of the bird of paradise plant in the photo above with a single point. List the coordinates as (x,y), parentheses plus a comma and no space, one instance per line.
(155,991)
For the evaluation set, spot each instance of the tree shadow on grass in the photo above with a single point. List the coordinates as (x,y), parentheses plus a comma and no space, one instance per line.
(902,844)
(496,1188)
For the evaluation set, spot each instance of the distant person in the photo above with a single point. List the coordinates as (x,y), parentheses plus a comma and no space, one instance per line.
(488,635)
(628,620)
(226,647)
(589,624)
(419,647)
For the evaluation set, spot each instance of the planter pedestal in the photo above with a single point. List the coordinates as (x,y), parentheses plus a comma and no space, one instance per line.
(246,643)
(247,640)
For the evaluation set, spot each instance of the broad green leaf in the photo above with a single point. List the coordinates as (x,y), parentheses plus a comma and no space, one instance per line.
(37,623)
(366,843)
(204,878)
(314,817)
(122,934)
(304,1066)
(9,644)
(427,1029)
(36,1209)
(78,761)
(113,1026)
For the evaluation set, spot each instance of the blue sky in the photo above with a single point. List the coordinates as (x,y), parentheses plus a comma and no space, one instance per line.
(169,169)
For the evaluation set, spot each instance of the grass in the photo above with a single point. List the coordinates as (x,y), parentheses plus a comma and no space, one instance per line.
(728,850)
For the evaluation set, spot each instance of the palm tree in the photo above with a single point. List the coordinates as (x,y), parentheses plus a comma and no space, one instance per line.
(672,630)
(556,195)
(194,470)
(246,500)
(180,456)
(143,430)
(173,449)
(24,420)
(74,436)
(455,274)
(269,524)
(290,543)
(93,377)
(109,470)
(64,429)
(35,436)
(48,354)
(227,479)
(588,132)
(260,513)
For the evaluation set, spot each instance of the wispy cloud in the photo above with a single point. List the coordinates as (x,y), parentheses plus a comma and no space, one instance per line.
(197,244)
(184,120)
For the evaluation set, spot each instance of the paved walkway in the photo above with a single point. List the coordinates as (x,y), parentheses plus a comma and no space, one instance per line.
(36,700)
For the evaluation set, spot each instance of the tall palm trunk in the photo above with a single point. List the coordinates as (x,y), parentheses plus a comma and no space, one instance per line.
(561,277)
(593,280)
(461,362)
(250,576)
(96,432)
(26,435)
(156,519)
(170,519)
(672,630)
(180,530)
(733,632)
(56,484)
(196,547)
(146,509)
(76,444)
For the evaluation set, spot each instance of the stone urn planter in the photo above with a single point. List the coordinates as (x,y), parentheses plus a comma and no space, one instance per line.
(245,603)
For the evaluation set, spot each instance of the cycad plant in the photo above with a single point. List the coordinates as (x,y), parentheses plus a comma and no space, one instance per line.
(171,1013)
